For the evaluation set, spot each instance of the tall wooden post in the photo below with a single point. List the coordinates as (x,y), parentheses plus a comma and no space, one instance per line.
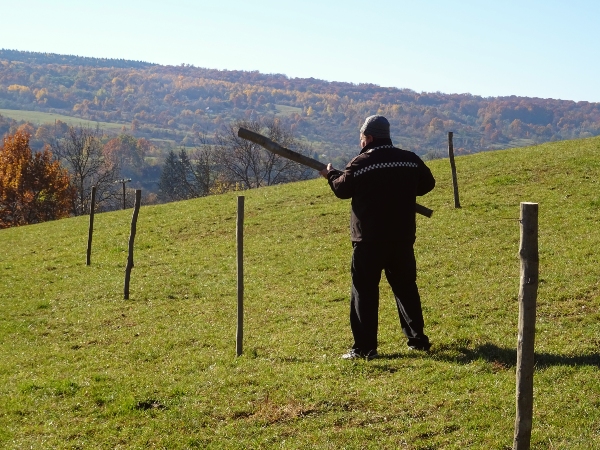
(528,253)
(240,276)
(91,228)
(453,166)
(136,210)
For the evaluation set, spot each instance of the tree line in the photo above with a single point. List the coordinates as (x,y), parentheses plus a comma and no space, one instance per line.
(231,163)
(57,181)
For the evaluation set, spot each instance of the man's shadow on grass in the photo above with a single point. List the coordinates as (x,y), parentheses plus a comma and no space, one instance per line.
(460,353)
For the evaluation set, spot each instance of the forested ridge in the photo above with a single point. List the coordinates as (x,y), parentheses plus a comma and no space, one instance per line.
(183,102)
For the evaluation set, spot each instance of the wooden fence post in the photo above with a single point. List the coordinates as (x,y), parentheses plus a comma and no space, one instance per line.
(91,228)
(136,210)
(528,253)
(240,275)
(453,166)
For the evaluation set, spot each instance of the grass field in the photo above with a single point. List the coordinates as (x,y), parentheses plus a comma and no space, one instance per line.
(285,110)
(81,368)
(39,118)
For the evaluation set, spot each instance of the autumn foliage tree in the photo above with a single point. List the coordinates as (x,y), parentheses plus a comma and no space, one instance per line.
(33,187)
(127,152)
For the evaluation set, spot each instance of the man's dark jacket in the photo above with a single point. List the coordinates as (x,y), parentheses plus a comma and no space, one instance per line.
(383,182)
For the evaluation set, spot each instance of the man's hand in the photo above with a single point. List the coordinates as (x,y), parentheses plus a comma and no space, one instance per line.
(326,170)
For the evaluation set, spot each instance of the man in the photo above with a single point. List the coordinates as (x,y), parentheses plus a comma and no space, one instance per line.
(383,182)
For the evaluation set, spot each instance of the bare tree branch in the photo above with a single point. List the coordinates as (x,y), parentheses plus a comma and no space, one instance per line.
(80,151)
(246,163)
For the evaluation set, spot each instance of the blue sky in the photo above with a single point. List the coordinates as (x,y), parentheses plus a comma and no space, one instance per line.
(547,49)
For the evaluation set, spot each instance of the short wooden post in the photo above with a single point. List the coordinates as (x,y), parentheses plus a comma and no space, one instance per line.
(240,276)
(528,253)
(136,210)
(91,228)
(453,166)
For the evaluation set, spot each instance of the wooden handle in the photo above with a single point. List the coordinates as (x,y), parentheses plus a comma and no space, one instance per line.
(423,210)
(273,147)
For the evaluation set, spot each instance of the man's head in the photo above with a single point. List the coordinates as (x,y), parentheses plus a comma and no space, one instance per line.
(376,126)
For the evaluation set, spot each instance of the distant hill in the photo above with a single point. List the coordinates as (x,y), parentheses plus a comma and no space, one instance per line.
(54,58)
(182,102)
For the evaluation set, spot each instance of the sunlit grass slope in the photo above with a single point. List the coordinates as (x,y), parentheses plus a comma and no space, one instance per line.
(82,368)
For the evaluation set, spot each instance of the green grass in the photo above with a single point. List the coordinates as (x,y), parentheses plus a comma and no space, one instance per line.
(82,368)
(39,118)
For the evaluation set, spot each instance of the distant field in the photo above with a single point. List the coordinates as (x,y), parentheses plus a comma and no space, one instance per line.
(39,117)
(287,110)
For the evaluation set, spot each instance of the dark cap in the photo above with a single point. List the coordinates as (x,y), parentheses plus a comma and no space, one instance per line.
(376,126)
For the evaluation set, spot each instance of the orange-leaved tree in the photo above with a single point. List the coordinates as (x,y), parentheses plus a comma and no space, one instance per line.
(33,187)
(127,152)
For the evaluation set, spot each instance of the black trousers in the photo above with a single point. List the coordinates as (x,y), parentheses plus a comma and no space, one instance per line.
(397,260)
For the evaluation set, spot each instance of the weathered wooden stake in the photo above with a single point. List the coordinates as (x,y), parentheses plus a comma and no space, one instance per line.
(240,276)
(136,210)
(453,166)
(528,253)
(91,229)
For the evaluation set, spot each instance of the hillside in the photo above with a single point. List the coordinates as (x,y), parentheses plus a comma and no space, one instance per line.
(82,368)
(180,103)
